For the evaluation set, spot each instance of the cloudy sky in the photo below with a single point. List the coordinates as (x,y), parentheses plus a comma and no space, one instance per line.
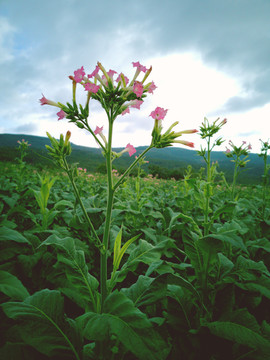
(210,58)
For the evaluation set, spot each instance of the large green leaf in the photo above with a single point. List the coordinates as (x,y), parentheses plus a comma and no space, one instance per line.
(12,287)
(128,323)
(7,234)
(260,285)
(244,265)
(79,285)
(225,265)
(42,325)
(148,253)
(239,334)
(146,290)
(230,237)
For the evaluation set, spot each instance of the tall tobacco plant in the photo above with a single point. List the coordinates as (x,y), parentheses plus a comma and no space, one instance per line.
(207,131)
(116,96)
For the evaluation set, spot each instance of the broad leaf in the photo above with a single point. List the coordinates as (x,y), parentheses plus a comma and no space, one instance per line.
(129,324)
(7,234)
(146,290)
(12,287)
(80,286)
(240,335)
(42,323)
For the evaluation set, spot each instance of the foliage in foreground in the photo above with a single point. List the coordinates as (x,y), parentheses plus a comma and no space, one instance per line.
(177,294)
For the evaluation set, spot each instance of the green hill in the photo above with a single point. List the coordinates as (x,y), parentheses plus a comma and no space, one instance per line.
(91,158)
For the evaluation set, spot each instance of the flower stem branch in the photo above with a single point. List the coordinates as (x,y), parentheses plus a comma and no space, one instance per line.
(69,172)
(121,180)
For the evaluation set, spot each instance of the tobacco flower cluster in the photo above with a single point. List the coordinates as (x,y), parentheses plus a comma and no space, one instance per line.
(117,95)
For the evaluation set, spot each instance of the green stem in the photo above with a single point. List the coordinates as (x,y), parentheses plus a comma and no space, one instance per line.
(206,261)
(206,213)
(67,169)
(110,196)
(234,178)
(265,182)
(122,178)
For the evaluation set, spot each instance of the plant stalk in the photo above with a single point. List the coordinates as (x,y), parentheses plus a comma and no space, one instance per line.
(98,242)
(110,196)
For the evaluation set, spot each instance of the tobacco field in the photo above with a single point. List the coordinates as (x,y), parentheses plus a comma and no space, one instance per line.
(173,293)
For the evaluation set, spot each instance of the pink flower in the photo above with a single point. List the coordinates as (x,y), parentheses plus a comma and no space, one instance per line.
(192,131)
(136,104)
(98,130)
(61,114)
(159,113)
(186,143)
(139,66)
(249,147)
(227,150)
(94,73)
(119,79)
(125,111)
(44,101)
(111,73)
(152,87)
(131,149)
(93,88)
(138,88)
(79,74)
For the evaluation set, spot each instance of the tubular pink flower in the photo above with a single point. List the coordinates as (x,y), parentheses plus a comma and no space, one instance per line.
(136,104)
(111,73)
(123,79)
(131,149)
(93,88)
(126,111)
(44,101)
(79,74)
(249,147)
(159,113)
(186,143)
(138,89)
(61,114)
(98,130)
(227,150)
(94,73)
(152,87)
(188,131)
(139,66)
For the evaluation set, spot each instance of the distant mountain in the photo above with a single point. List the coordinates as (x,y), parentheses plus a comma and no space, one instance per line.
(92,158)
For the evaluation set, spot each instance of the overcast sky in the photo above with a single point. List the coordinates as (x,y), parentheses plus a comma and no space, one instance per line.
(210,58)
